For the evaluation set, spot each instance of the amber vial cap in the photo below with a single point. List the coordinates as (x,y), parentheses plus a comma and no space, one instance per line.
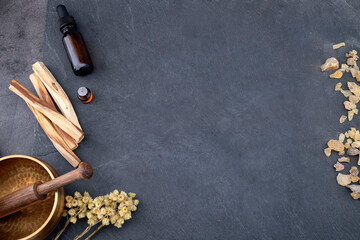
(85,95)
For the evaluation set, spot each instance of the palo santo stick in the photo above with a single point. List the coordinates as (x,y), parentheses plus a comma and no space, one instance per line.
(57,92)
(55,138)
(44,95)
(44,108)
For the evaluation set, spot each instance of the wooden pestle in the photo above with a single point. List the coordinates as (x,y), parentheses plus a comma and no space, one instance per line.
(21,198)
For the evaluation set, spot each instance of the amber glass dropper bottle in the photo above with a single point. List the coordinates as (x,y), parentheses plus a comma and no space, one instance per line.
(74,43)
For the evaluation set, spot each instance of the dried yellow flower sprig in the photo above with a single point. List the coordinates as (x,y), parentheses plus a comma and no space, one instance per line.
(113,208)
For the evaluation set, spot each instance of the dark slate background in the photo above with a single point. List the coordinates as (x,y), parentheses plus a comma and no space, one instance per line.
(214,112)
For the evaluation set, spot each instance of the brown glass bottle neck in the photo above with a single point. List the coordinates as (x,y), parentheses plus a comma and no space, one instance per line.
(69,28)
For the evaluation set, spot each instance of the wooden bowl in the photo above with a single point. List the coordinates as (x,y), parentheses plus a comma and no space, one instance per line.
(39,219)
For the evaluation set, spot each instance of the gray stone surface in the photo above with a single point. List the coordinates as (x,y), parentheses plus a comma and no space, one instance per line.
(214,112)
(21,39)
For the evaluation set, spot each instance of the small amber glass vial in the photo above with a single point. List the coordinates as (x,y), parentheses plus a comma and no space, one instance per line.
(85,95)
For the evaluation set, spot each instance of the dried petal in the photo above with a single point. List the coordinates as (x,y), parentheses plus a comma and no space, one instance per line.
(354,99)
(354,179)
(354,88)
(357,76)
(349,105)
(338,74)
(341,153)
(354,188)
(355,195)
(338,167)
(343,179)
(355,111)
(350,115)
(351,133)
(330,64)
(344,66)
(342,118)
(341,137)
(338,86)
(339,45)
(346,93)
(336,145)
(354,172)
(350,61)
(356,144)
(353,72)
(344,159)
(357,135)
(327,152)
(352,151)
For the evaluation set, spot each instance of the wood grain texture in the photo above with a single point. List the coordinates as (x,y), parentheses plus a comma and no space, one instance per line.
(44,95)
(84,171)
(57,92)
(55,138)
(23,197)
(19,199)
(45,109)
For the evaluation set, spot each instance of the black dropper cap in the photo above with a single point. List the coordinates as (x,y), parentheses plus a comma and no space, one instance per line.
(64,17)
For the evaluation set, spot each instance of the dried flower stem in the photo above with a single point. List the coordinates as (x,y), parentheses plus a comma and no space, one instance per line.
(62,230)
(84,232)
(88,238)
(66,224)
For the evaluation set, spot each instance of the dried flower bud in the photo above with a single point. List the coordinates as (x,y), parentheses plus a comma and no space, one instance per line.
(113,205)
(132,195)
(95,210)
(105,221)
(80,203)
(117,225)
(116,192)
(107,202)
(91,206)
(111,211)
(74,203)
(71,212)
(98,204)
(77,195)
(73,220)
(124,209)
(136,202)
(86,199)
(82,215)
(123,193)
(92,221)
(114,218)
(127,216)
(89,215)
(103,211)
(68,198)
(120,221)
(120,198)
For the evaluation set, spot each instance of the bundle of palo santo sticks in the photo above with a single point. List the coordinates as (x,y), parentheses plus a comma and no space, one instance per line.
(64,129)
